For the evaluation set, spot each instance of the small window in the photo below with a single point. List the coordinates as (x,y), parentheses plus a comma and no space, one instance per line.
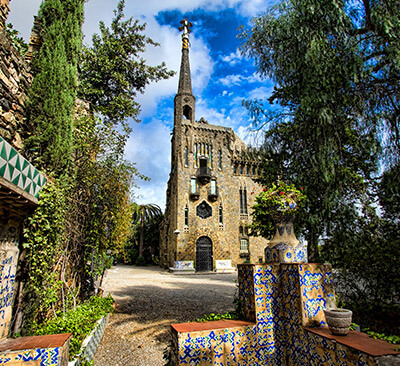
(244,245)
(235,169)
(186,157)
(248,169)
(241,230)
(195,154)
(210,156)
(254,170)
(221,217)
(241,169)
(193,185)
(219,159)
(213,190)
(186,216)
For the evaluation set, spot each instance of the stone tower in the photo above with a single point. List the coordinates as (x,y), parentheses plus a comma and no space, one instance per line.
(210,190)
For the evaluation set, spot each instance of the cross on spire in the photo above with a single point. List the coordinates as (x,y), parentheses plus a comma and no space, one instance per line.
(186,25)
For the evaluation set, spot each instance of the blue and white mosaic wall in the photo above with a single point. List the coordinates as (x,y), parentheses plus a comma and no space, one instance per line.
(281,300)
(35,357)
(8,267)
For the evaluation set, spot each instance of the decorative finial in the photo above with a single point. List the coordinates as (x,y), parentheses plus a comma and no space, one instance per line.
(186,25)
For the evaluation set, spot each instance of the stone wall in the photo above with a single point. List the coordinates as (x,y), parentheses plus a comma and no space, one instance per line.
(15,80)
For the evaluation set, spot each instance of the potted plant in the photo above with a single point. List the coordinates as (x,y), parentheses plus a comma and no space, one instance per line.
(274,211)
(338,320)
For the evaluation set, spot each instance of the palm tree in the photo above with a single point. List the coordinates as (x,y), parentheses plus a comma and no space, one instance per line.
(142,214)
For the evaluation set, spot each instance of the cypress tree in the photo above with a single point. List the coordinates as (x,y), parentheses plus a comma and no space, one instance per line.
(53,92)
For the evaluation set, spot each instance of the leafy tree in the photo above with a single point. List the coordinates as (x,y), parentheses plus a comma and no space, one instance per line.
(19,42)
(143,214)
(52,96)
(321,138)
(112,70)
(336,65)
(86,210)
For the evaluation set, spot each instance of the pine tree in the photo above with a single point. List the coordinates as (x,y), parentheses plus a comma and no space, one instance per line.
(53,93)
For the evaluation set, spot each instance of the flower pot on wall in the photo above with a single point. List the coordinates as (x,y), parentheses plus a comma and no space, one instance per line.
(338,320)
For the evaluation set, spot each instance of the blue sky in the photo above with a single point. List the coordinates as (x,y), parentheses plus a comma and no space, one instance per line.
(221,77)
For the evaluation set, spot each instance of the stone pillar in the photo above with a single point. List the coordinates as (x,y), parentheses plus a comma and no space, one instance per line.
(282,299)
(4,10)
(9,233)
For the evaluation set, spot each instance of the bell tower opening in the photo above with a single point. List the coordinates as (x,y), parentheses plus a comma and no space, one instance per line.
(187,112)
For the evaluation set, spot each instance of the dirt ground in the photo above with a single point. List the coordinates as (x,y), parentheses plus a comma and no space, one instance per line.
(150,299)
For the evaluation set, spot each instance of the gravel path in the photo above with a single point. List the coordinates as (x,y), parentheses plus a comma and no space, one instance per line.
(149,300)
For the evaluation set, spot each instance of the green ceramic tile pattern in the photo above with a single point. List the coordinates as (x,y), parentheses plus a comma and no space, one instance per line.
(19,171)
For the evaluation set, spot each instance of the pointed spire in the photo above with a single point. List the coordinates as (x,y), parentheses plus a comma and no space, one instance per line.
(185,81)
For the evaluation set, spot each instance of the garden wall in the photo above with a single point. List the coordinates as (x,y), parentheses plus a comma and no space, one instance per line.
(283,306)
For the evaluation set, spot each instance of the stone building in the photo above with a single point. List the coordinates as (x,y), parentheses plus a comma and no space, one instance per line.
(210,190)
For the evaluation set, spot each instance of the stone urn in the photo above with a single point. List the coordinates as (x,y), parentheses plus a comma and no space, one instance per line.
(338,320)
(284,246)
(284,234)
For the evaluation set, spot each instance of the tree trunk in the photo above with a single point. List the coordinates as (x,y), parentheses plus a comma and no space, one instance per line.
(141,235)
(313,252)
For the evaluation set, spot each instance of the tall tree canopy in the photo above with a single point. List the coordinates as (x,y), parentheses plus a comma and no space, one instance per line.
(112,70)
(336,68)
(53,92)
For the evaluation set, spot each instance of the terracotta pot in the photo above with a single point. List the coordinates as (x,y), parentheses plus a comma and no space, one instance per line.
(338,320)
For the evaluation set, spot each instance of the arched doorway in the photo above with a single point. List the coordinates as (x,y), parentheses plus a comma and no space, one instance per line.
(204,256)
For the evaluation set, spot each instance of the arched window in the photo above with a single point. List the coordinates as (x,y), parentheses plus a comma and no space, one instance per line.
(241,169)
(248,169)
(235,169)
(187,112)
(254,170)
(219,159)
(186,157)
(221,216)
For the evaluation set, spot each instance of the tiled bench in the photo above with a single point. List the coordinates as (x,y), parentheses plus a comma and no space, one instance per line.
(47,350)
(355,348)
(220,342)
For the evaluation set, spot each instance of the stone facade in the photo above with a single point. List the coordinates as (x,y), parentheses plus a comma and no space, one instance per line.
(15,80)
(211,188)
(20,181)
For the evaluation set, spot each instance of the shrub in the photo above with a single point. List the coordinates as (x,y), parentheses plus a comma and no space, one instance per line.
(80,322)
(140,261)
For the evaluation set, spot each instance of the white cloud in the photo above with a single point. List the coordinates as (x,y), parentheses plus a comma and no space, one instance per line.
(149,147)
(239,79)
(233,58)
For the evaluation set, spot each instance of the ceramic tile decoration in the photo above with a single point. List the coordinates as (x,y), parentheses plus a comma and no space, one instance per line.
(8,267)
(281,299)
(39,357)
(17,170)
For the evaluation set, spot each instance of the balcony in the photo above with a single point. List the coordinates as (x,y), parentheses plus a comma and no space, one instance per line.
(194,195)
(204,174)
